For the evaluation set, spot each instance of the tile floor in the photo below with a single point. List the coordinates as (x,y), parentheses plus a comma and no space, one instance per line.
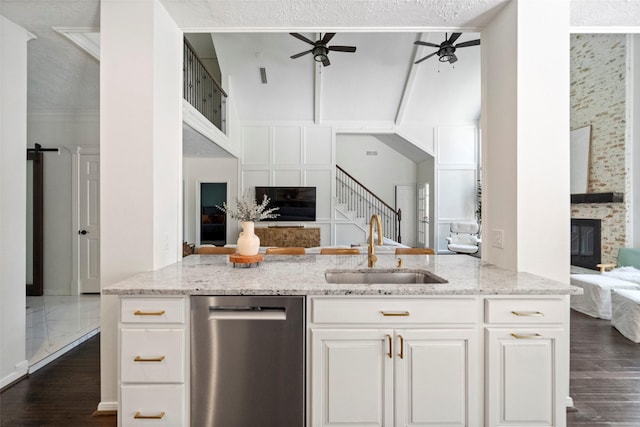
(56,324)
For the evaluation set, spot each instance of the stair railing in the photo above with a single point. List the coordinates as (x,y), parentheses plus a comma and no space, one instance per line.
(365,203)
(202,91)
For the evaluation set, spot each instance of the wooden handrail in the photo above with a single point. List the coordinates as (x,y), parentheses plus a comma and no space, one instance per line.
(365,187)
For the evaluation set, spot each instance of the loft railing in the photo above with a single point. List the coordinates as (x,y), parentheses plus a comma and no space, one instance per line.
(365,203)
(202,91)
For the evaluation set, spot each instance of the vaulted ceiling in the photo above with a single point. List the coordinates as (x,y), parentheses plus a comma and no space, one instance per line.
(367,85)
(377,83)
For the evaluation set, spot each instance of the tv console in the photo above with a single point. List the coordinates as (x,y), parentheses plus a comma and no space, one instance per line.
(298,236)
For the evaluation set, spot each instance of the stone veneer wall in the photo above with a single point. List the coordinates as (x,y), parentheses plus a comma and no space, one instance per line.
(598,93)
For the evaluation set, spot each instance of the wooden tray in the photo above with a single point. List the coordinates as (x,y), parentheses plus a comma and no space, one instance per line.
(246,261)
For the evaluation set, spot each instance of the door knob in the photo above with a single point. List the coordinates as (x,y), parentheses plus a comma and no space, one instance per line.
(83,232)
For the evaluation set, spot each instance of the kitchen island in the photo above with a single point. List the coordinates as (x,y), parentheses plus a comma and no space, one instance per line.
(489,347)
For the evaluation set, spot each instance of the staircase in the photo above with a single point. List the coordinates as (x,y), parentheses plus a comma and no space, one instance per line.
(356,204)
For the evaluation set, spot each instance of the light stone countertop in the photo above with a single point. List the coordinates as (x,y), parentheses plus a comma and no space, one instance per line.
(304,275)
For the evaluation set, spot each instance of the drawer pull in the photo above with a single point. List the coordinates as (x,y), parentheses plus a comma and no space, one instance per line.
(390,354)
(527,313)
(148,313)
(139,416)
(394,313)
(526,336)
(152,359)
(401,354)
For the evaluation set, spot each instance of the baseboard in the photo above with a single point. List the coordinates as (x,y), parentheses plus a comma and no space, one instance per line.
(107,407)
(20,371)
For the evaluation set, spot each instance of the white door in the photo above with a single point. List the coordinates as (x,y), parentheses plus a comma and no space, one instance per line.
(89,224)
(436,382)
(406,202)
(522,369)
(352,377)
(423,215)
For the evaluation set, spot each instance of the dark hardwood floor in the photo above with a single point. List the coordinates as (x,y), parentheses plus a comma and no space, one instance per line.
(66,392)
(605,383)
(605,375)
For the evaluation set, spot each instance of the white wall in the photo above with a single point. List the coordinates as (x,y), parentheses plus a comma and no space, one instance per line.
(195,171)
(141,156)
(523,132)
(426,174)
(291,154)
(66,131)
(635,143)
(455,179)
(380,173)
(13,190)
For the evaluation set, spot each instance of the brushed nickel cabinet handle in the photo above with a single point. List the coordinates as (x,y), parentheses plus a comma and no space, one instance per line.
(148,313)
(401,354)
(139,416)
(394,313)
(390,354)
(527,313)
(152,359)
(526,336)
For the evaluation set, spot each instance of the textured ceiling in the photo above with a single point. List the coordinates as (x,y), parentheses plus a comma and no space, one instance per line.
(335,14)
(62,77)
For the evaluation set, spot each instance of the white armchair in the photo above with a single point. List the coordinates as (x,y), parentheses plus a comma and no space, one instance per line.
(464,237)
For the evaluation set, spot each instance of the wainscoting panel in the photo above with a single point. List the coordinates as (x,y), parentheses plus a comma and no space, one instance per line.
(287,145)
(255,145)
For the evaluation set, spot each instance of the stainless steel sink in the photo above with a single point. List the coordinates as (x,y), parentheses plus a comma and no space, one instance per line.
(392,276)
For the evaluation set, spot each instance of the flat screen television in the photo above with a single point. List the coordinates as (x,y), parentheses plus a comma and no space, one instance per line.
(293,203)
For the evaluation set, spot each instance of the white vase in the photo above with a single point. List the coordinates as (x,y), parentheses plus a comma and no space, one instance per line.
(248,242)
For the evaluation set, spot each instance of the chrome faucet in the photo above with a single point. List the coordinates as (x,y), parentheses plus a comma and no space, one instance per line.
(375,219)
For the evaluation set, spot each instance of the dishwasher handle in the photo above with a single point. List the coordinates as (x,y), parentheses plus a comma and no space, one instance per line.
(247,313)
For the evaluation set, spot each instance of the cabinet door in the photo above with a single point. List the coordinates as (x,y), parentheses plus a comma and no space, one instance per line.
(351,377)
(523,383)
(437,377)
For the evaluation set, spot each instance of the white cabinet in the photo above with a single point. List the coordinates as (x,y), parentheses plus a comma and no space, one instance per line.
(352,377)
(153,361)
(526,348)
(436,377)
(395,368)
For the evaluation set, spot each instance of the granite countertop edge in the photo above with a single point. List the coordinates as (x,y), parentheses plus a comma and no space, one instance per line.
(304,275)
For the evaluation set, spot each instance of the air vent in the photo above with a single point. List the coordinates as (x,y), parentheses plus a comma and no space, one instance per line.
(372,153)
(263,75)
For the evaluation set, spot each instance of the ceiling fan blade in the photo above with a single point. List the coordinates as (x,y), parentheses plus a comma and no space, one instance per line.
(327,37)
(298,55)
(453,58)
(421,43)
(326,62)
(469,43)
(342,48)
(454,37)
(303,38)
(425,58)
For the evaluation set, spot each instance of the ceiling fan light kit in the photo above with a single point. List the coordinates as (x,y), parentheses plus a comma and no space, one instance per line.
(446,49)
(320,49)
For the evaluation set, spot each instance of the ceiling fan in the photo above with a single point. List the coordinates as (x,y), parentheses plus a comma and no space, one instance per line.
(320,49)
(446,49)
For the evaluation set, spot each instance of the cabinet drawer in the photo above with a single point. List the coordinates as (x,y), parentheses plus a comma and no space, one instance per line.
(152,355)
(394,310)
(157,405)
(525,311)
(152,310)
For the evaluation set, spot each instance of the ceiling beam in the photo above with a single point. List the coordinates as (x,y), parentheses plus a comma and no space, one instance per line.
(410,80)
(317,94)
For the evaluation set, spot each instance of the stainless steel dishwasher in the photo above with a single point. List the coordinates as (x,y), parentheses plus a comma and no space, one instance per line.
(247,361)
